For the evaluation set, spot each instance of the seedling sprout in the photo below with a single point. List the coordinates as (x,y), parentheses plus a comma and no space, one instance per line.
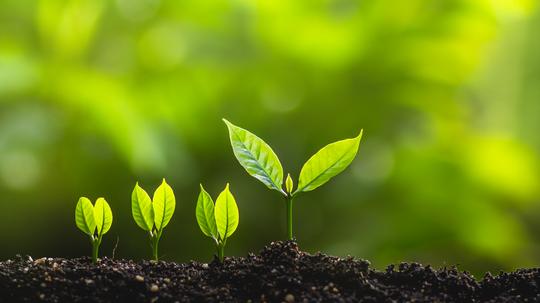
(260,161)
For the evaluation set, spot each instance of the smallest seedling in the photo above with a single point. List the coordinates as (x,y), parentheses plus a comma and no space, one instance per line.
(217,221)
(93,220)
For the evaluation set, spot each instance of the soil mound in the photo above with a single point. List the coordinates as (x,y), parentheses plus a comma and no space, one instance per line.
(279,273)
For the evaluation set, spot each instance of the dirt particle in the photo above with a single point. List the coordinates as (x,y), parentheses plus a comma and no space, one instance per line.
(40,261)
(289,298)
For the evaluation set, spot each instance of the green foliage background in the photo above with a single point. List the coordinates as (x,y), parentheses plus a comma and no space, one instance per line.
(96,95)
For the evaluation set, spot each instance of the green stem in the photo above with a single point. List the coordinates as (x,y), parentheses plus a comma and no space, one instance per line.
(289,203)
(155,242)
(95,248)
(221,251)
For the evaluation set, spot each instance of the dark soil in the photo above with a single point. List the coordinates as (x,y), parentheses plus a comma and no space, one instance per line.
(280,273)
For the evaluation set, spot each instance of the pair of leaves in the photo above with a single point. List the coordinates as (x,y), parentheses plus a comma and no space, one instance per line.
(93,220)
(217,221)
(156,212)
(260,161)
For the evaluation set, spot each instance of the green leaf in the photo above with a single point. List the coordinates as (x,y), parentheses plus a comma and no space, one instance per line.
(103,216)
(257,158)
(141,208)
(164,203)
(327,163)
(205,214)
(226,213)
(84,216)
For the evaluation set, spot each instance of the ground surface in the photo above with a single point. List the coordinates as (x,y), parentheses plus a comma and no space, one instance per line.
(280,273)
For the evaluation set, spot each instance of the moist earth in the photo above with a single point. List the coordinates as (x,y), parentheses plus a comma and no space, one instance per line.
(279,273)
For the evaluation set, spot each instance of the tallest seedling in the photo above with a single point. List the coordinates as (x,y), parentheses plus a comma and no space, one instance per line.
(260,161)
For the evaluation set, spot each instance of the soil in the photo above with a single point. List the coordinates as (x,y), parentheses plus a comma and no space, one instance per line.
(280,273)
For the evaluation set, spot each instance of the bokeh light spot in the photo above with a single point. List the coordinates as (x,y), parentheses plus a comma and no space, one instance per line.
(19,169)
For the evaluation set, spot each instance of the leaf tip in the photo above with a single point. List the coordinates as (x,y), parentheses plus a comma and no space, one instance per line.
(360,134)
(83,198)
(359,138)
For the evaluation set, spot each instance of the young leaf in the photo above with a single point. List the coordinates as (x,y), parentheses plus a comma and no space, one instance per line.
(327,163)
(205,214)
(141,208)
(257,158)
(84,216)
(289,184)
(164,203)
(226,212)
(103,216)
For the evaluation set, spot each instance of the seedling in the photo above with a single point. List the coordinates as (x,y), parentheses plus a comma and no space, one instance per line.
(152,215)
(260,161)
(217,221)
(93,220)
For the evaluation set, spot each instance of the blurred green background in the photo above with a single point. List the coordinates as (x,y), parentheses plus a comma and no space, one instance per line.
(96,95)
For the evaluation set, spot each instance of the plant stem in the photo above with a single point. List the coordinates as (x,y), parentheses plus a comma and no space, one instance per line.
(289,203)
(155,242)
(221,251)
(95,249)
